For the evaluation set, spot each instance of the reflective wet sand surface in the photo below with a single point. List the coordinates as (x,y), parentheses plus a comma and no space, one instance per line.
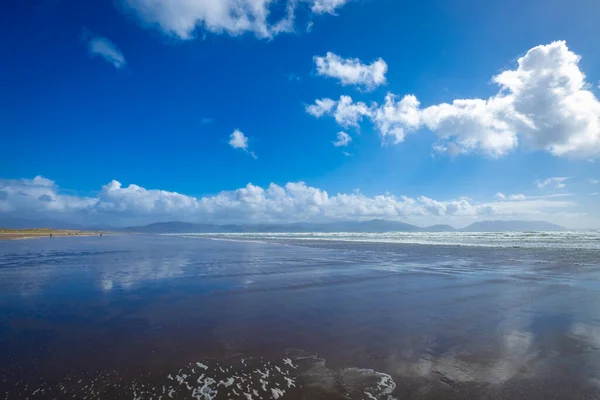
(138,317)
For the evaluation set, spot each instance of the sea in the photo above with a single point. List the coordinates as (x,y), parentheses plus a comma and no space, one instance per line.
(301,316)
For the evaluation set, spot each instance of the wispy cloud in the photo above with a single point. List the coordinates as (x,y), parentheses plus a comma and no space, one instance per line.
(343,139)
(521,197)
(517,197)
(101,46)
(594,181)
(182,18)
(326,6)
(556,182)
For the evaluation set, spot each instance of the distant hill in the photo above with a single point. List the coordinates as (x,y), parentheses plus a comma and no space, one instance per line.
(375,226)
(438,228)
(512,226)
(175,227)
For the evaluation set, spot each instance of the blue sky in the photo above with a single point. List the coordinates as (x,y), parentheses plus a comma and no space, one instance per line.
(96,91)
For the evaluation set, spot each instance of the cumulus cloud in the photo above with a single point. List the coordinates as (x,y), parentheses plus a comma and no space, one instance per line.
(556,182)
(346,112)
(238,140)
(543,104)
(321,107)
(38,195)
(182,18)
(100,46)
(461,207)
(394,118)
(294,201)
(350,71)
(343,139)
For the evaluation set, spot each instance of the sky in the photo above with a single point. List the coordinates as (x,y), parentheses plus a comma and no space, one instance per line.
(128,112)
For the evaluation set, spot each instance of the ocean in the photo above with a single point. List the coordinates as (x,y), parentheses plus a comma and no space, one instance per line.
(531,240)
(302,316)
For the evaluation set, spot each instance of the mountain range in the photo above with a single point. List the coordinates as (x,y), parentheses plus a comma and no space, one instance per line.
(375,225)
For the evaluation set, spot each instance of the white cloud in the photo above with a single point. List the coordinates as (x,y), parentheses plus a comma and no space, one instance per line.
(326,6)
(100,46)
(350,71)
(238,140)
(539,208)
(346,112)
(594,181)
(513,197)
(543,104)
(556,182)
(38,195)
(521,197)
(343,139)
(460,207)
(347,154)
(321,107)
(294,201)
(394,118)
(182,18)
(517,197)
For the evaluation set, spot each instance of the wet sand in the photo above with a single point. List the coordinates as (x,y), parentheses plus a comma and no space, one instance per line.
(144,317)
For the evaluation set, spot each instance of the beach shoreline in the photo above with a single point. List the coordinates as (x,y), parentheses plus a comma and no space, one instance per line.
(22,234)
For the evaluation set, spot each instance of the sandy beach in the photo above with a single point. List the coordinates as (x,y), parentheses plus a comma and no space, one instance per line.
(134,316)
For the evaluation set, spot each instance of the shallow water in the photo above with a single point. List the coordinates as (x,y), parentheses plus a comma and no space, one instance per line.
(187,317)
